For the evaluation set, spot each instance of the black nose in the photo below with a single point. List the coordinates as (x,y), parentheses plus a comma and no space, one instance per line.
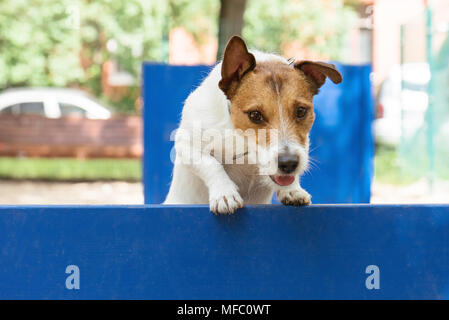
(287,162)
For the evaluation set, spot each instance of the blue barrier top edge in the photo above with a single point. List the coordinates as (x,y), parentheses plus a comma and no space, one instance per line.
(246,208)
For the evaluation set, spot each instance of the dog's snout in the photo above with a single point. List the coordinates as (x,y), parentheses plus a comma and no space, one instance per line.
(288,162)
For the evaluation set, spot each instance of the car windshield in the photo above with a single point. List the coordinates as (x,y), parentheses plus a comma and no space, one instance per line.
(68,109)
(35,108)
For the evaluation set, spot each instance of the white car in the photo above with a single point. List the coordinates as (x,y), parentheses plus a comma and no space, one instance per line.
(402,103)
(51,103)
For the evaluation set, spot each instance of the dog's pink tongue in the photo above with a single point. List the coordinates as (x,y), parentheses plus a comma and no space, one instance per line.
(284,180)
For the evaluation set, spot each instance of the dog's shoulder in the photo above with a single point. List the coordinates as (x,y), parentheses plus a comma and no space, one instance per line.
(207,103)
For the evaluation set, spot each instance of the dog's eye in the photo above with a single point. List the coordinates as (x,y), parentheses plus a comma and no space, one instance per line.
(255,116)
(301,112)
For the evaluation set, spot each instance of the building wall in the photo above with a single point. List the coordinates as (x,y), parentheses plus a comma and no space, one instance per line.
(389,15)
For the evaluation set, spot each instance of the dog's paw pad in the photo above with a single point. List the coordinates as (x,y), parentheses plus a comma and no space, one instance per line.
(295,197)
(226,204)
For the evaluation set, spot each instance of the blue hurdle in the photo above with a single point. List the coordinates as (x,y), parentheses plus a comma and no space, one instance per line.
(261,252)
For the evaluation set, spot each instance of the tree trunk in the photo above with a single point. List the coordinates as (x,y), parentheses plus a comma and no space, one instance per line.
(231,22)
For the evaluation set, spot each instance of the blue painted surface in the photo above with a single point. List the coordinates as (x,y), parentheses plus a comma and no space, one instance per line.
(265,252)
(342,145)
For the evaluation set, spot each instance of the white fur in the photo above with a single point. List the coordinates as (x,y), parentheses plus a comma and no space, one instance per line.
(225,187)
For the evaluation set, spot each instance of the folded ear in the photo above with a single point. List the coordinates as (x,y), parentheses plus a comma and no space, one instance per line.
(236,62)
(318,71)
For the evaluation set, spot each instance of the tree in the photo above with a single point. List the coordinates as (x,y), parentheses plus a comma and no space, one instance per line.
(321,26)
(34,44)
(230,22)
(65,42)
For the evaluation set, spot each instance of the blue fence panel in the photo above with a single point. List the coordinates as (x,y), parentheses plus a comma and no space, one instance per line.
(261,252)
(341,139)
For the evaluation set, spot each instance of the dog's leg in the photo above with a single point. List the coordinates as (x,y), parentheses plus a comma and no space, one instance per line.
(294,195)
(223,192)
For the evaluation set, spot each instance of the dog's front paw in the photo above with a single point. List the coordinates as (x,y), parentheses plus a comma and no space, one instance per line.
(296,197)
(225,203)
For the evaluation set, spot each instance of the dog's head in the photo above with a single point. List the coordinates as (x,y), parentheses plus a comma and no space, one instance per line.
(274,97)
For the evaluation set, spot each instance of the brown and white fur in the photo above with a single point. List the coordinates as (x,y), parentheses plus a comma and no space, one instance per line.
(248,90)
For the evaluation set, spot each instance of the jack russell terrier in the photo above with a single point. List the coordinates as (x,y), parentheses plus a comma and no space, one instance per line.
(244,132)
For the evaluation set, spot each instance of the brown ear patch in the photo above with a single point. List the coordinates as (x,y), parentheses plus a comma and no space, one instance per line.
(236,62)
(318,71)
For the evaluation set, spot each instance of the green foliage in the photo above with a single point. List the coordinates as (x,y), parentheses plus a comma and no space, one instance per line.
(199,17)
(65,42)
(34,43)
(319,25)
(388,167)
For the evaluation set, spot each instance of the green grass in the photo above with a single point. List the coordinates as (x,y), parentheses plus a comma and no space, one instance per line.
(391,168)
(388,167)
(70,169)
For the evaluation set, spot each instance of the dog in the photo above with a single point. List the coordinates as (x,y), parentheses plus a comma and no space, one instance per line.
(243,97)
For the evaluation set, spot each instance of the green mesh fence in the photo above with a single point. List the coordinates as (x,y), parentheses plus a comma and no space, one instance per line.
(424,145)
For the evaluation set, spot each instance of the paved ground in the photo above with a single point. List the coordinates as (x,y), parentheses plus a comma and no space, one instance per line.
(25,192)
(418,192)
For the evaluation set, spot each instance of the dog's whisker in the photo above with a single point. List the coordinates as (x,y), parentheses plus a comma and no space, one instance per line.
(315,148)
